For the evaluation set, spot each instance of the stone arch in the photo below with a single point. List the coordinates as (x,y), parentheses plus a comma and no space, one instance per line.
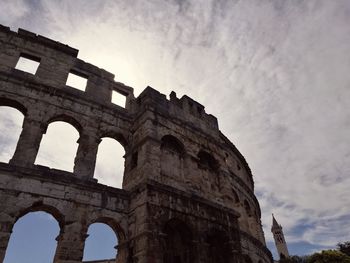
(208,168)
(60,156)
(247,208)
(110,162)
(40,206)
(67,119)
(171,157)
(119,137)
(235,197)
(178,242)
(207,161)
(121,251)
(116,133)
(13,104)
(219,250)
(112,223)
(172,144)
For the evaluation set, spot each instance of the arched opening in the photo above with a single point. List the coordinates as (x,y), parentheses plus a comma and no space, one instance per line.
(109,169)
(219,250)
(208,168)
(173,145)
(11,121)
(247,259)
(235,197)
(59,146)
(178,246)
(247,208)
(207,161)
(33,239)
(101,243)
(171,158)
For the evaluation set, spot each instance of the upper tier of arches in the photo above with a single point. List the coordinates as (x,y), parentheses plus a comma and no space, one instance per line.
(44,103)
(36,122)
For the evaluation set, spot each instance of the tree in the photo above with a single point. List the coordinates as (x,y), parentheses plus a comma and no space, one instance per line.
(344,247)
(329,256)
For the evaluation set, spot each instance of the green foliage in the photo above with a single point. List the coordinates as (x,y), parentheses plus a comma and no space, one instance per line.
(342,255)
(328,256)
(344,247)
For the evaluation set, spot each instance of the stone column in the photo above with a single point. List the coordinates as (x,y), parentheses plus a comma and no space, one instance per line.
(235,243)
(28,143)
(6,224)
(204,248)
(85,160)
(195,251)
(123,252)
(70,244)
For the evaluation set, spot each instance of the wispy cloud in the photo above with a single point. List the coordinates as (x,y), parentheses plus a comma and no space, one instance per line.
(275,73)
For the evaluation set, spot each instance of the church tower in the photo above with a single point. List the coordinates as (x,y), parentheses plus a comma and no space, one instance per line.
(280,242)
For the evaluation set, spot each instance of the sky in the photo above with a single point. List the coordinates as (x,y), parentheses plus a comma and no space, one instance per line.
(275,74)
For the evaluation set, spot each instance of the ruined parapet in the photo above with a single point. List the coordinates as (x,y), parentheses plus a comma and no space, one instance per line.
(56,61)
(182,175)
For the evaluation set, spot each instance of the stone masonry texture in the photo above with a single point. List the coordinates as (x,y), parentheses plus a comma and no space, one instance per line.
(187,195)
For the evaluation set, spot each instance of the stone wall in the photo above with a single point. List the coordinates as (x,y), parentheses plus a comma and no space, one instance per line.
(188,193)
(100,261)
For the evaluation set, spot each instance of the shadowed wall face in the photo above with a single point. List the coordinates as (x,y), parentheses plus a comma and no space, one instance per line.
(178,243)
(177,178)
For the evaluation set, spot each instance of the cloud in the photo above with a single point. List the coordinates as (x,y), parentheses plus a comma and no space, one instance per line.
(274,73)
(13,10)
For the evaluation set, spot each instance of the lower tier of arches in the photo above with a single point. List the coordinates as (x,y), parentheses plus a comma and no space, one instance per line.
(153,222)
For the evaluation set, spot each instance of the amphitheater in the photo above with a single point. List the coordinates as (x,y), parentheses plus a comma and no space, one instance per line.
(187,195)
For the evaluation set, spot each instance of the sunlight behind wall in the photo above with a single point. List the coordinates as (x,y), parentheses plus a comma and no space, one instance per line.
(58,147)
(27,65)
(110,163)
(76,81)
(118,99)
(11,126)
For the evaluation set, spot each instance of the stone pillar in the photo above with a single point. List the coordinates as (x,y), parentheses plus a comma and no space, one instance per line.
(70,244)
(85,160)
(195,251)
(204,248)
(142,244)
(123,252)
(28,143)
(235,242)
(6,224)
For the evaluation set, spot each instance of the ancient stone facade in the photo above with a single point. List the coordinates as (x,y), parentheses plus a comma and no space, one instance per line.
(187,191)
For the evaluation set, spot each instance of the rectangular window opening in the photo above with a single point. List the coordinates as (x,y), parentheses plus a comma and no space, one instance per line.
(76,81)
(28,64)
(118,99)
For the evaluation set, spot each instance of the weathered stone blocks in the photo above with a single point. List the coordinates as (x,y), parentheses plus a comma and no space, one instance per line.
(187,191)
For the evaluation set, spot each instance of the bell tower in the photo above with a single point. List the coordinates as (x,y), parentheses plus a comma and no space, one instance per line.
(280,242)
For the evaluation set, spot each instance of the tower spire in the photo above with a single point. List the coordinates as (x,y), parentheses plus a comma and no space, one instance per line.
(280,242)
(274,222)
